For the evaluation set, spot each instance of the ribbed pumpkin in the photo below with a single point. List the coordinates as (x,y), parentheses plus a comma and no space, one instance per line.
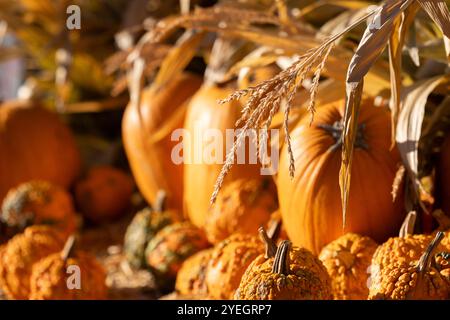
(104,193)
(50,277)
(21,253)
(443,176)
(35,145)
(38,202)
(310,203)
(241,207)
(150,156)
(347,260)
(205,117)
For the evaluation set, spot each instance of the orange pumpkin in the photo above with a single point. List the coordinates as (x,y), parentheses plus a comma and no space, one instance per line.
(35,145)
(150,157)
(310,203)
(204,116)
(443,176)
(104,193)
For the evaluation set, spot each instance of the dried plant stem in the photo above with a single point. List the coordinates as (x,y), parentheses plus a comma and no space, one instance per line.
(266,98)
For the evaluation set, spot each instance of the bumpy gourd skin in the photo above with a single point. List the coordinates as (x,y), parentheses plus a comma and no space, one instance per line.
(229,260)
(141,230)
(39,202)
(417,280)
(347,260)
(307,279)
(172,245)
(397,250)
(49,278)
(241,207)
(191,276)
(19,255)
(401,281)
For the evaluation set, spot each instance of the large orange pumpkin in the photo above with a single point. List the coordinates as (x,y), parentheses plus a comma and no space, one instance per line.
(35,145)
(444,176)
(310,203)
(150,157)
(204,116)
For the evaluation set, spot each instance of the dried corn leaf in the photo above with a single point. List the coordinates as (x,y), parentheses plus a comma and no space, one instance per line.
(352,106)
(179,57)
(395,46)
(372,44)
(409,126)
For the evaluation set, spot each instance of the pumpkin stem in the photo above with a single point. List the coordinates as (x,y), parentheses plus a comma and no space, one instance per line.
(408,224)
(160,202)
(425,259)
(336,131)
(271,247)
(68,249)
(281,261)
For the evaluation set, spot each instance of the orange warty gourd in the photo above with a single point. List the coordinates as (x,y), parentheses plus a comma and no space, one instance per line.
(205,113)
(191,276)
(291,274)
(347,260)
(241,207)
(104,193)
(35,145)
(21,253)
(229,260)
(443,176)
(407,247)
(49,277)
(310,203)
(38,202)
(418,280)
(150,160)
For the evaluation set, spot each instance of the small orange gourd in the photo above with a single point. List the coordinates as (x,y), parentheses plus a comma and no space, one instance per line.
(292,274)
(418,280)
(347,260)
(104,193)
(191,276)
(50,277)
(21,253)
(242,206)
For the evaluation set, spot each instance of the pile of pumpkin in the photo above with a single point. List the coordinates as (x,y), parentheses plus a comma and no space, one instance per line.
(42,189)
(219,251)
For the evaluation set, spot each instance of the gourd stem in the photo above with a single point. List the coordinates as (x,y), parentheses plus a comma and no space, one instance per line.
(407,227)
(271,248)
(68,249)
(336,131)
(425,259)
(281,262)
(160,202)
